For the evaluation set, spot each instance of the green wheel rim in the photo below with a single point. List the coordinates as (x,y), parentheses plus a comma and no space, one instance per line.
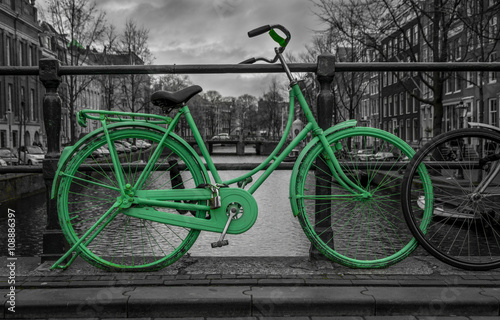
(355,231)
(124,242)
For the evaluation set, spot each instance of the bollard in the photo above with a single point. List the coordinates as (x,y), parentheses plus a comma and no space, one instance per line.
(53,238)
(325,101)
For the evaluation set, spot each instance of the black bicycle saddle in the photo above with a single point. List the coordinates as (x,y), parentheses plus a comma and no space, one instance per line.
(174,99)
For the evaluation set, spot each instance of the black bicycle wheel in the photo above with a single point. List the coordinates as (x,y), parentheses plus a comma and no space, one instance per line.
(459,222)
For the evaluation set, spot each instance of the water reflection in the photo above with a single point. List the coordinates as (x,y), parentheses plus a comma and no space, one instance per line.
(31,219)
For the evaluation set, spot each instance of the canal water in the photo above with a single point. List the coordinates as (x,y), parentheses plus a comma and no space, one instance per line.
(31,218)
(275,233)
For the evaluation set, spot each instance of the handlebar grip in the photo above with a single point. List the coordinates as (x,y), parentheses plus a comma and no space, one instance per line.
(248,61)
(259,30)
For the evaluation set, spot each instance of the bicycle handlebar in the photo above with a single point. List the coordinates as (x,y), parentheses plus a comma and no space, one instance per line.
(258,31)
(283,42)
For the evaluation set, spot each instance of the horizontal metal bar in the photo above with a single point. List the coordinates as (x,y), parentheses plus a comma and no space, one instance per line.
(259,68)
(19,71)
(186,69)
(276,68)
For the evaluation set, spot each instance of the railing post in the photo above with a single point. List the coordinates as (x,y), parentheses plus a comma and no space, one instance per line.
(325,102)
(53,238)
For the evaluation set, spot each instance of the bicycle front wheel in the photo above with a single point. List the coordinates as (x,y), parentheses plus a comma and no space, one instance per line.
(459,222)
(89,188)
(357,229)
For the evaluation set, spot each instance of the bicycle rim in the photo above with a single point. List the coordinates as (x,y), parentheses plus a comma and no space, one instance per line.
(355,231)
(89,188)
(457,223)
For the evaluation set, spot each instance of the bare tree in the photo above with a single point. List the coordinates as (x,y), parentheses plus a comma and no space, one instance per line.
(246,108)
(108,82)
(440,24)
(134,44)
(270,109)
(212,111)
(84,25)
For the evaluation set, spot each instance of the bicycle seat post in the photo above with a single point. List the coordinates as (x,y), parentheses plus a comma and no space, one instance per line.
(285,65)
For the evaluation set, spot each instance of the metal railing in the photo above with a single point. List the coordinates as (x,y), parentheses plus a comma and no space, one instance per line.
(50,72)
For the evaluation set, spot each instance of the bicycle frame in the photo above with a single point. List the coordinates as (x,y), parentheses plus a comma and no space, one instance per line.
(312,126)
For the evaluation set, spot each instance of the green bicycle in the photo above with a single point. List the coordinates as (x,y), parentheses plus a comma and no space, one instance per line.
(142,209)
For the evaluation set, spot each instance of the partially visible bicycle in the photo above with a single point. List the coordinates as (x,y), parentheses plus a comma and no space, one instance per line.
(144,209)
(455,212)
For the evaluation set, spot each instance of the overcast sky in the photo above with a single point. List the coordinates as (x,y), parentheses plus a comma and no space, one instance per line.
(213,32)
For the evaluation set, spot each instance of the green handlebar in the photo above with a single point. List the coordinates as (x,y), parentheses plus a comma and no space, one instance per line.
(276,37)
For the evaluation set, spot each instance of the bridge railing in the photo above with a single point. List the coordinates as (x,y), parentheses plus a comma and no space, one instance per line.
(50,72)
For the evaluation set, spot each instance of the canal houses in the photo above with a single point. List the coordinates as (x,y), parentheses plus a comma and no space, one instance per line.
(20,96)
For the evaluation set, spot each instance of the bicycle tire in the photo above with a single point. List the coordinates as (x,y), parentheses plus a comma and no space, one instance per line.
(454,223)
(84,195)
(361,232)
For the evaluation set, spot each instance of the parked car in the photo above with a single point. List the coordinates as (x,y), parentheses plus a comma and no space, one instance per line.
(31,155)
(104,150)
(97,153)
(120,148)
(364,154)
(3,163)
(128,145)
(141,144)
(221,136)
(8,156)
(384,156)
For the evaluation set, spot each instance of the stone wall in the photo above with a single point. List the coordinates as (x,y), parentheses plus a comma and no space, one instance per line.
(18,185)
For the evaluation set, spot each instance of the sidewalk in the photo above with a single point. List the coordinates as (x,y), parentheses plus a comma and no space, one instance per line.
(251,287)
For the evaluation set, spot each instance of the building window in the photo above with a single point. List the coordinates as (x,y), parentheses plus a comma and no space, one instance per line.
(34,61)
(470,79)
(24,116)
(8,52)
(29,59)
(416,129)
(15,139)
(408,102)
(408,130)
(415,104)
(401,103)
(493,108)
(390,106)
(396,104)
(3,139)
(34,114)
(385,108)
(20,61)
(492,75)
(493,28)
(10,95)
(2,105)
(458,83)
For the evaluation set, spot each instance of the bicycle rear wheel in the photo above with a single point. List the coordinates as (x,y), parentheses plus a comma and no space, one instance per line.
(459,223)
(353,230)
(89,188)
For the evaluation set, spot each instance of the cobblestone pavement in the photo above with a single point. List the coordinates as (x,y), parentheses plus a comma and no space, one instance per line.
(253,288)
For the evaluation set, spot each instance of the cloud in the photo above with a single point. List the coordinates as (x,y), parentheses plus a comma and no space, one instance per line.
(213,31)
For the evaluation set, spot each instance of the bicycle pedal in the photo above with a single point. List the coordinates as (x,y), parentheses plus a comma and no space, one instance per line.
(219,243)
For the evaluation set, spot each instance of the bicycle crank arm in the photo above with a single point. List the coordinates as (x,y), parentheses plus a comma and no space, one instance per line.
(222,242)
